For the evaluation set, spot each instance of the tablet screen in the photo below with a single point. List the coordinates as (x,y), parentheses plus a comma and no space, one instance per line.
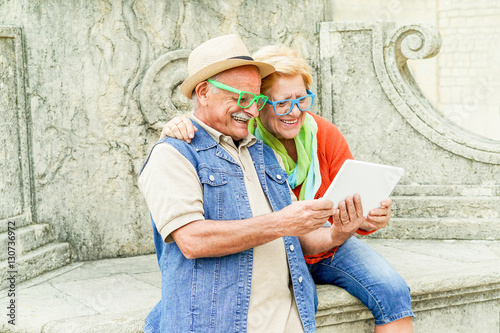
(373,182)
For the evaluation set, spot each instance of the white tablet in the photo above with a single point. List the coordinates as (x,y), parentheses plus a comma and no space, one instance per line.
(373,182)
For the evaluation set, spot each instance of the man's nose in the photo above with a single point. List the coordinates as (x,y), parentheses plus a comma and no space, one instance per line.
(252,110)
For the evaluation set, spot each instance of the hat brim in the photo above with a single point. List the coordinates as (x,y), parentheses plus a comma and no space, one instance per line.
(190,83)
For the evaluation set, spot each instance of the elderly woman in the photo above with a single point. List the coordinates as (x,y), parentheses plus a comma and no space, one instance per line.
(313,150)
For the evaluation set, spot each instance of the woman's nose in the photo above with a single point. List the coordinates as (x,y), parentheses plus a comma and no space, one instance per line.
(295,110)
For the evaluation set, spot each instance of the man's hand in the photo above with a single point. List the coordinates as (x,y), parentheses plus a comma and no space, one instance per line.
(346,220)
(302,217)
(180,128)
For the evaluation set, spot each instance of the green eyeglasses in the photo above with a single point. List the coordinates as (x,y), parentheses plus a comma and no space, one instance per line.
(246,99)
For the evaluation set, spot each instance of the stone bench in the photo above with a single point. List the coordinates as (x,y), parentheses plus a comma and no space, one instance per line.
(455,287)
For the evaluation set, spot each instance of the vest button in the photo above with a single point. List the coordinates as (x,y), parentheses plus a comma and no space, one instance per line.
(278,176)
(300,279)
(292,248)
(211,177)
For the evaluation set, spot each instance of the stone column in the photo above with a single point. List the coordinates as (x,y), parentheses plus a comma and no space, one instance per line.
(15,177)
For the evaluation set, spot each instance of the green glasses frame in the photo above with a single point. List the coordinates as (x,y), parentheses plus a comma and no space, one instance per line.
(258,99)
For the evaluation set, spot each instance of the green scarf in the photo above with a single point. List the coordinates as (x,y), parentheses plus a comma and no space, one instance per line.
(306,170)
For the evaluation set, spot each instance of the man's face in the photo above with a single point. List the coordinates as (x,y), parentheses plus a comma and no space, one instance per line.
(222,112)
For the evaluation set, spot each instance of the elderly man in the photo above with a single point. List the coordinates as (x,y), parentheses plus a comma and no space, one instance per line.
(224,225)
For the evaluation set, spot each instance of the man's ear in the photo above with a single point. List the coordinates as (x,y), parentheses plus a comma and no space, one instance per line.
(202,91)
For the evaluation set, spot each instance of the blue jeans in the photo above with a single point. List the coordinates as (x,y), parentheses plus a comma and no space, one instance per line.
(365,274)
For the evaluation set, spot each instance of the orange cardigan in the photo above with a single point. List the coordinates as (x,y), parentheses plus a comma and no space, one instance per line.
(332,153)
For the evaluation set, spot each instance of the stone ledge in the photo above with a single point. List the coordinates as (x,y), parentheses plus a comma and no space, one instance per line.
(455,285)
(20,221)
(36,262)
(446,206)
(455,288)
(440,228)
(27,239)
(129,322)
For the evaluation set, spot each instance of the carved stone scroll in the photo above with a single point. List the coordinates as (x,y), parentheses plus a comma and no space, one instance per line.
(420,42)
(160,97)
(390,49)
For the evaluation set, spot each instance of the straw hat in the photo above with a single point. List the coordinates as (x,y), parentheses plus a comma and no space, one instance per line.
(217,55)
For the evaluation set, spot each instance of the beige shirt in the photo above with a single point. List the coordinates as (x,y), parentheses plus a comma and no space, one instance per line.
(170,178)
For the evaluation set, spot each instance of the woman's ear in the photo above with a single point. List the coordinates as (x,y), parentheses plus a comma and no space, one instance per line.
(202,91)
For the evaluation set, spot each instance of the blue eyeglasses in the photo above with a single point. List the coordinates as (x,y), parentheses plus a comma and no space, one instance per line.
(285,106)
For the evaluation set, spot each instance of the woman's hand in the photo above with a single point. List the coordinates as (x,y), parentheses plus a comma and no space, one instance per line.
(379,217)
(347,219)
(180,128)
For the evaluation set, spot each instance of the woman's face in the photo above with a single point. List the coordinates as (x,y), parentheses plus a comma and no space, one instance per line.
(288,126)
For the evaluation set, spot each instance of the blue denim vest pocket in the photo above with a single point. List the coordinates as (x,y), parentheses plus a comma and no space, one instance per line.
(214,182)
(212,177)
(277,175)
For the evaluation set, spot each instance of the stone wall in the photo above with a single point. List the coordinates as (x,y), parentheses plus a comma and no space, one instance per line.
(94,80)
(469,71)
(384,115)
(400,12)
(96,87)
(462,80)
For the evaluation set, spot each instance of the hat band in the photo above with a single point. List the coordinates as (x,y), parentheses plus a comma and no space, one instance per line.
(242,57)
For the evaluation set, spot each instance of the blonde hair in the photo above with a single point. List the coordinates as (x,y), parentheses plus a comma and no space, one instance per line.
(287,62)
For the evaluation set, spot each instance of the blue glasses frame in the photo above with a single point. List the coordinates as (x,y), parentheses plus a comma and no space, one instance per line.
(294,102)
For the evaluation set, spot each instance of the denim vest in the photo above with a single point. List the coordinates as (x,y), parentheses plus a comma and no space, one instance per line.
(213,294)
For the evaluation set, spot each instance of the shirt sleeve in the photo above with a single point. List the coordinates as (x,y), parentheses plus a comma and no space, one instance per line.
(172,190)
